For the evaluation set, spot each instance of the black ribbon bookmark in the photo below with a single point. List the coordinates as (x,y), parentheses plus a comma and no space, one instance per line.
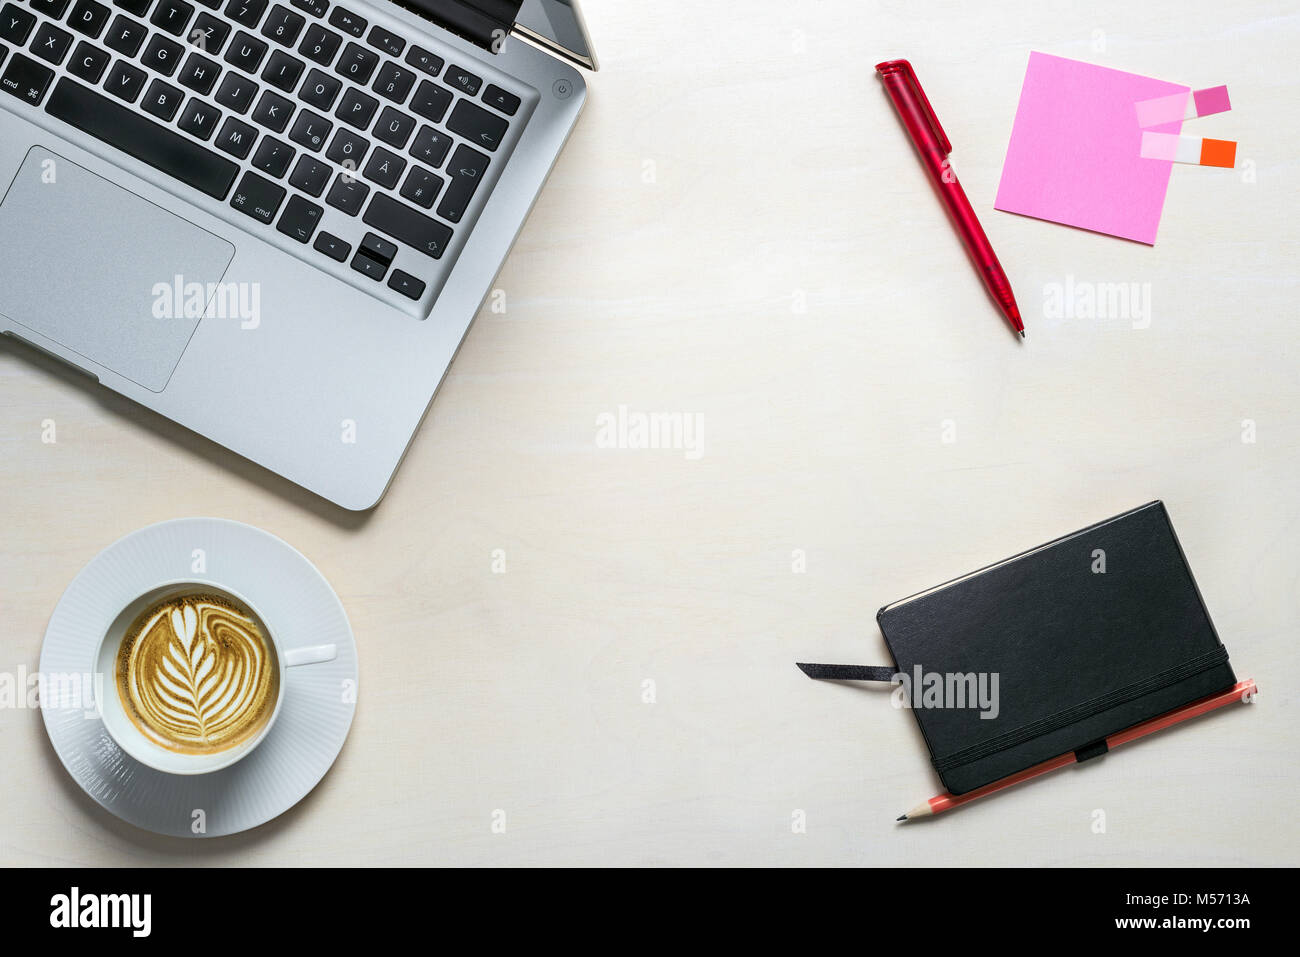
(847,672)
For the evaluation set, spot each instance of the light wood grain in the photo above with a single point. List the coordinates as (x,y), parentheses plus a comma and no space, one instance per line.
(738,230)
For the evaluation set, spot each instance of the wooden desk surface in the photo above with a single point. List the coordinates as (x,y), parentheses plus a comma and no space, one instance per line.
(740,234)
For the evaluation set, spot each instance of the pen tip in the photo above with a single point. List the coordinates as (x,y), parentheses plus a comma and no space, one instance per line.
(1022,333)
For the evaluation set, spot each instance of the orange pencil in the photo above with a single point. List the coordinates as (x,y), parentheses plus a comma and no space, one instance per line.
(1243,691)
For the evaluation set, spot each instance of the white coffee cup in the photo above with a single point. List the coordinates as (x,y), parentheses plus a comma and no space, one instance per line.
(130,738)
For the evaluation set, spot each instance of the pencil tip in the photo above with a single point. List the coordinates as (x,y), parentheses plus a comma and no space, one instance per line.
(1022,333)
(901,817)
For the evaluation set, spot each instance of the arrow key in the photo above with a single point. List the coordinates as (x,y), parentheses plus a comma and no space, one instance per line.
(406,284)
(332,246)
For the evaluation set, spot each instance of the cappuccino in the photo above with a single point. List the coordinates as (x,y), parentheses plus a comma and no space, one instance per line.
(196,674)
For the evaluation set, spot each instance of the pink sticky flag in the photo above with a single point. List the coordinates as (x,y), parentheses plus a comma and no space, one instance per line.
(1075,150)
(1181,106)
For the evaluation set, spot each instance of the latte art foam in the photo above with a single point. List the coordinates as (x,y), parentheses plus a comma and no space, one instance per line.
(196,675)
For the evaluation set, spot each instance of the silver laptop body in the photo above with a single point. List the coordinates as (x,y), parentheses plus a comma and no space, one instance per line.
(273,221)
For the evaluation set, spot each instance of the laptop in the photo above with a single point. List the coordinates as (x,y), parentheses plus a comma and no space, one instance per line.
(273,221)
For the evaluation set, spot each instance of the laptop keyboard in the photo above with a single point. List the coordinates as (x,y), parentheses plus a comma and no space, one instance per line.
(359,146)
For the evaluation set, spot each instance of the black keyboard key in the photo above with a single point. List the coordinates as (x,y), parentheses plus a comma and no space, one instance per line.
(300,219)
(348,149)
(347,194)
(319,45)
(273,157)
(199,74)
(424,61)
(258,198)
(162,100)
(209,34)
(394,128)
(498,98)
(246,52)
(88,62)
(51,43)
(138,7)
(273,111)
(211,4)
(162,55)
(422,187)
(406,284)
(431,146)
(15,25)
(458,78)
(283,25)
(236,138)
(89,18)
(393,82)
(319,90)
(199,119)
(125,81)
(404,224)
(367,265)
(390,43)
(431,101)
(247,13)
(485,130)
(4,52)
(317,8)
(126,36)
(332,246)
(348,22)
(310,176)
(236,93)
(311,131)
(173,16)
(385,168)
(357,64)
(26,79)
(466,169)
(356,109)
(282,71)
(54,9)
(155,145)
(377,247)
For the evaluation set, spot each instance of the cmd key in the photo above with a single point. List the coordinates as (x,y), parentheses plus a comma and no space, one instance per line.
(258,197)
(26,79)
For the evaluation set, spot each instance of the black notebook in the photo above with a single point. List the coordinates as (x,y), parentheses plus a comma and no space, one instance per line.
(1086,635)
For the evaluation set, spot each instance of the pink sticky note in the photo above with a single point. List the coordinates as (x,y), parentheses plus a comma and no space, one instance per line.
(1075,155)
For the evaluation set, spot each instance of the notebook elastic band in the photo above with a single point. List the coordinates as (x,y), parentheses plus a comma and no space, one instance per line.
(1084,710)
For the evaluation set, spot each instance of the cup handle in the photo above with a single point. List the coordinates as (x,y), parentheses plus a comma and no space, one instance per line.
(310,655)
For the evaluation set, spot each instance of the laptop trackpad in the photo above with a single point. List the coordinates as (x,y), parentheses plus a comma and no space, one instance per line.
(102,271)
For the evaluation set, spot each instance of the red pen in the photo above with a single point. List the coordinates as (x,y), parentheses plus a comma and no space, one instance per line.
(1243,691)
(933,147)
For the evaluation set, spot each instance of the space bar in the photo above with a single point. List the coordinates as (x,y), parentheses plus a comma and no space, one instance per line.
(148,142)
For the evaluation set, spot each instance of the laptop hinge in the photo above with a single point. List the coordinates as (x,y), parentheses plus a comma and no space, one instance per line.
(485,23)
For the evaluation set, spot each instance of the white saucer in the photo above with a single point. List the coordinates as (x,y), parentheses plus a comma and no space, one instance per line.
(319,699)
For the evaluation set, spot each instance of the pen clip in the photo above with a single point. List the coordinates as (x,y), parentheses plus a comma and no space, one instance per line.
(909,76)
